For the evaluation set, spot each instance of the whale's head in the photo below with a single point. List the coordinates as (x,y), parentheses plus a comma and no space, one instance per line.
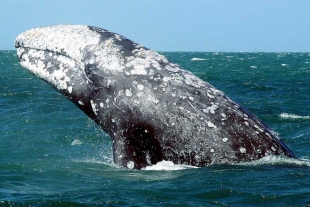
(97,70)
(77,60)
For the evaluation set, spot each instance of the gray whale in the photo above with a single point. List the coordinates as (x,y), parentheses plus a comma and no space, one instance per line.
(152,109)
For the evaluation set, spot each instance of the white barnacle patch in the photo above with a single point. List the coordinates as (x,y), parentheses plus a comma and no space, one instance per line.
(130,164)
(70,89)
(193,81)
(211,125)
(152,99)
(101,104)
(223,115)
(242,150)
(138,65)
(107,102)
(138,71)
(210,109)
(128,92)
(216,91)
(177,78)
(118,37)
(210,96)
(59,78)
(225,139)
(259,128)
(163,88)
(108,83)
(81,103)
(246,123)
(212,150)
(172,69)
(273,148)
(166,79)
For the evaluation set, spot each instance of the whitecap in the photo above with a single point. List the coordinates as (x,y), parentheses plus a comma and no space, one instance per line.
(293,116)
(195,59)
(76,142)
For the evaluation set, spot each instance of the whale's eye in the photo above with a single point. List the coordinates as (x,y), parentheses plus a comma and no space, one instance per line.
(89,70)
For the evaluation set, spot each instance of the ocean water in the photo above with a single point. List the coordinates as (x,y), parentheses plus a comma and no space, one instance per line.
(53,155)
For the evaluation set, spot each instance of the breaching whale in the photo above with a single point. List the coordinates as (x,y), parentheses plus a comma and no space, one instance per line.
(152,109)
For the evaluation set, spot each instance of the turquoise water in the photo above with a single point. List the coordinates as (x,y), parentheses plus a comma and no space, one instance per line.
(54,155)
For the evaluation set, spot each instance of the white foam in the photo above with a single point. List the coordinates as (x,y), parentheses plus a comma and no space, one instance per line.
(168,166)
(195,59)
(293,116)
(277,160)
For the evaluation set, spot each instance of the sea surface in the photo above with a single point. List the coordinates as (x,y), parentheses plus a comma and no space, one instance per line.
(52,154)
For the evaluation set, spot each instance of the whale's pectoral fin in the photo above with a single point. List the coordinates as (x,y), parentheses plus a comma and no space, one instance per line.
(137,147)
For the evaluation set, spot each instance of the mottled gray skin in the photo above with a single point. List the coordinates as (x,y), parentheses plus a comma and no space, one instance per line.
(152,109)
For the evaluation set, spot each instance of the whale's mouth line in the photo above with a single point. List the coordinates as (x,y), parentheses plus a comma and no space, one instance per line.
(49,51)
(53,54)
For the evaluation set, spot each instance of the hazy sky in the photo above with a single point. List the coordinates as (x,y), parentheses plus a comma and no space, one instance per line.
(173,25)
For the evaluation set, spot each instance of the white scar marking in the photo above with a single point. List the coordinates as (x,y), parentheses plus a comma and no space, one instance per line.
(140,87)
(70,89)
(191,105)
(128,92)
(242,150)
(93,105)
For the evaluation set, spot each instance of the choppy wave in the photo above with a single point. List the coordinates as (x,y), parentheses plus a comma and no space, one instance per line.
(293,116)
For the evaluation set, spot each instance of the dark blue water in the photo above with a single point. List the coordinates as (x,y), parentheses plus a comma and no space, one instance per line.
(53,155)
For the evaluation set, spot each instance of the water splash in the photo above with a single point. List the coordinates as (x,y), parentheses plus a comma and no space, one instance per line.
(168,166)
